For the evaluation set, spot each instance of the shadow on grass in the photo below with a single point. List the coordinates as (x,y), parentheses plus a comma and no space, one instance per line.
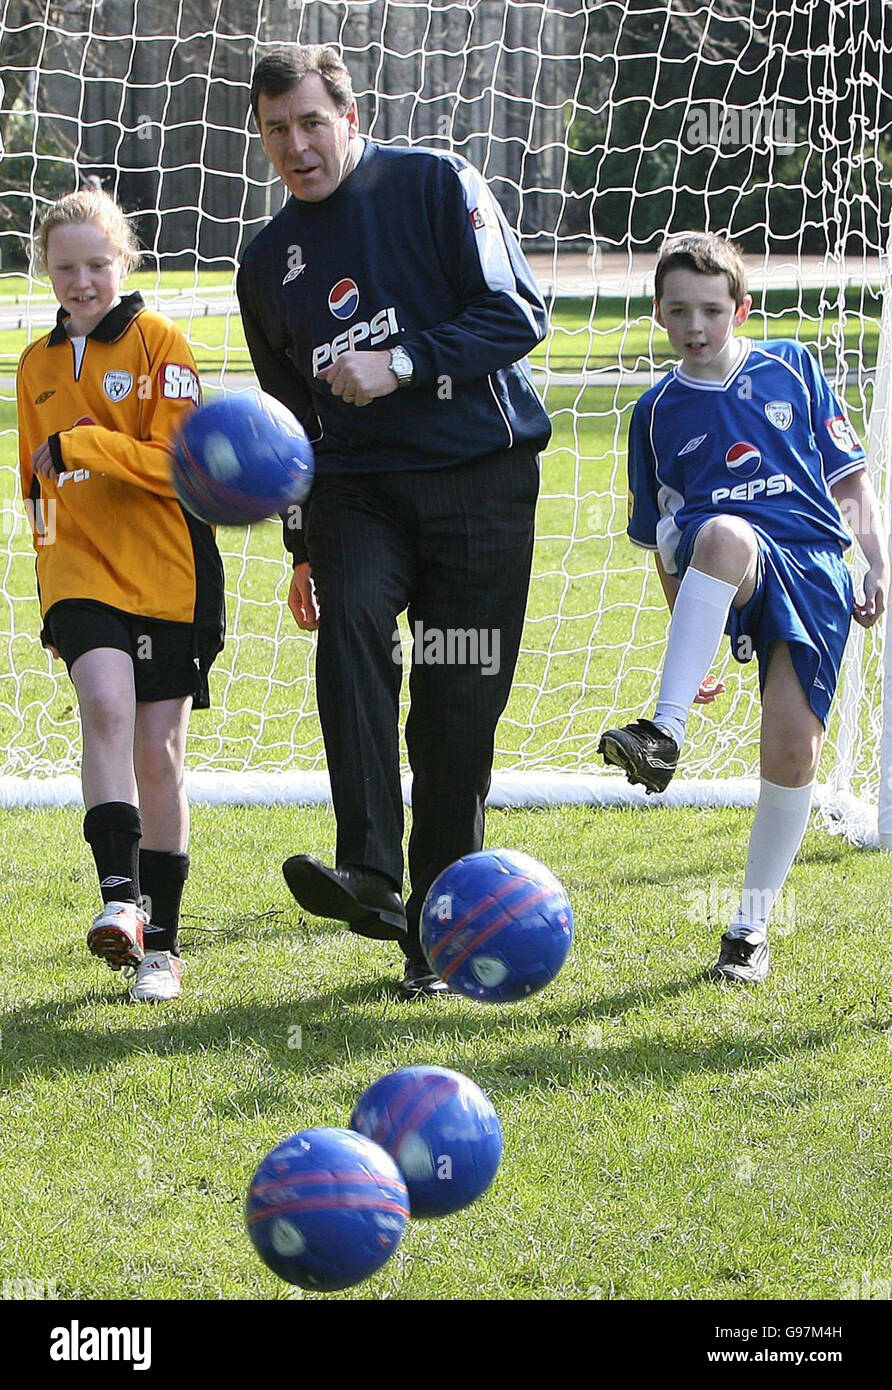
(817,851)
(45,1040)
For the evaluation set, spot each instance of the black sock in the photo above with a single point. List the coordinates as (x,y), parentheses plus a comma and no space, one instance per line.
(162,877)
(113,831)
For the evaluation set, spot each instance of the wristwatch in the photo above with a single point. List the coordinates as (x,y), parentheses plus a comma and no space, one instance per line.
(402,366)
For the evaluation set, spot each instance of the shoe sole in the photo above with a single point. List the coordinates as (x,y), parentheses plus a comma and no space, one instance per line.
(321,894)
(615,755)
(724,976)
(114,947)
(410,992)
(154,998)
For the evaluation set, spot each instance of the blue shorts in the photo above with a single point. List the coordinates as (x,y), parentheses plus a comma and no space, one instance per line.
(803,596)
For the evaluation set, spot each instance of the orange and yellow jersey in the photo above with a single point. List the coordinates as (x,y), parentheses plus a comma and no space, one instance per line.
(110,528)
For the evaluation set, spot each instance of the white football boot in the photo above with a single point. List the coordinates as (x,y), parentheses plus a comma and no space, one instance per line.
(117,935)
(159,976)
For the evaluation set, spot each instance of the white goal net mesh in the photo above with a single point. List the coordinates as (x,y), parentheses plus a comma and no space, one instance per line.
(600,127)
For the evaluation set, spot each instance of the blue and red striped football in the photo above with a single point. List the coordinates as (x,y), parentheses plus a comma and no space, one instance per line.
(241,458)
(326,1208)
(496,925)
(440,1129)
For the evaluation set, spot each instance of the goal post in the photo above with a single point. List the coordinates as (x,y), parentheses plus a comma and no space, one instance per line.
(599,127)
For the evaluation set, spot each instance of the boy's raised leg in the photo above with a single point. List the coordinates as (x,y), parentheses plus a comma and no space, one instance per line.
(722,571)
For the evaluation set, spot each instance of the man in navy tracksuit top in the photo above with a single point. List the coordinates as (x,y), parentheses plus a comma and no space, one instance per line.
(390,308)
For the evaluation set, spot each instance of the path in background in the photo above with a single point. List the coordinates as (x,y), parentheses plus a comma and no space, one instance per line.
(570,275)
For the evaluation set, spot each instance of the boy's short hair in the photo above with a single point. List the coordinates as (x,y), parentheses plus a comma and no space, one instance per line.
(706,253)
(288,64)
(88,205)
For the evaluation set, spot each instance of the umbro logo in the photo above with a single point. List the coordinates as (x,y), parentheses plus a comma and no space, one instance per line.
(43,397)
(691,445)
(293,274)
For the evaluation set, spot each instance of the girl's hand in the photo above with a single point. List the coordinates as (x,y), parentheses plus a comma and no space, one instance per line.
(42,462)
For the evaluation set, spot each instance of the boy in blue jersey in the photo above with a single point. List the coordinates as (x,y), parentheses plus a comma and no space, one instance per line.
(740,463)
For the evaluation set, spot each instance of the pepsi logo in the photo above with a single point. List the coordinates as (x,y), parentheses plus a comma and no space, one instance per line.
(343,299)
(743,460)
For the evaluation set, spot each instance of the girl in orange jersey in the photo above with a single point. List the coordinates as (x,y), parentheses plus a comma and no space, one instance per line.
(130,585)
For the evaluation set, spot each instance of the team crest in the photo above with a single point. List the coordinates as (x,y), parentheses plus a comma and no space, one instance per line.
(117,385)
(779,414)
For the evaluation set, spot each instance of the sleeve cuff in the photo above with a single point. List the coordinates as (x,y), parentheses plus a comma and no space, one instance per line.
(56,453)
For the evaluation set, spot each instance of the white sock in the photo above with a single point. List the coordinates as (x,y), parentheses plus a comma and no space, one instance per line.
(698,621)
(778,829)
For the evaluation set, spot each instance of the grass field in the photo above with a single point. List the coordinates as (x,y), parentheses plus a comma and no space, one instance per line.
(664,1138)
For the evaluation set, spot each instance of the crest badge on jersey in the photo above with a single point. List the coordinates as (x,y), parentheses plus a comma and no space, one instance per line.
(343,299)
(743,459)
(779,414)
(117,385)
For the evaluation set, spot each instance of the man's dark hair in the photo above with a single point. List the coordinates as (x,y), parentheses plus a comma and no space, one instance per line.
(286,66)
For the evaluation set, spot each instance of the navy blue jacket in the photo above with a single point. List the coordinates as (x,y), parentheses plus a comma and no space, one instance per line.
(410,249)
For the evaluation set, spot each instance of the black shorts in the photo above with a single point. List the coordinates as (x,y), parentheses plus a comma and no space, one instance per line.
(170,660)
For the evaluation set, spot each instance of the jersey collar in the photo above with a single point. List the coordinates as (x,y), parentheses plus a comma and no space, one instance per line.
(109,329)
(697,384)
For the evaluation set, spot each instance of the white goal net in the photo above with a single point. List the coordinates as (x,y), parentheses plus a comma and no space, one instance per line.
(600,127)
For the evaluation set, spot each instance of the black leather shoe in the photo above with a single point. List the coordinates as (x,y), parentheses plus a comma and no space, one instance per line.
(420,982)
(362,899)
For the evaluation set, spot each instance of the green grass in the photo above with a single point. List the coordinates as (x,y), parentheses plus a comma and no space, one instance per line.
(664,1138)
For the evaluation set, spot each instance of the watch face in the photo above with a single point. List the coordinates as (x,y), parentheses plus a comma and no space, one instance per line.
(401,363)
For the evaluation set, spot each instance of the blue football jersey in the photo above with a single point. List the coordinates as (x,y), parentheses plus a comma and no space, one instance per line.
(767,444)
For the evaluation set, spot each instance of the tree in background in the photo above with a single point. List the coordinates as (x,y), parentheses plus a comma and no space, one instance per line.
(796,109)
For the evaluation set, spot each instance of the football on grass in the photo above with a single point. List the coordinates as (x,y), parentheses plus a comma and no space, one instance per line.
(326,1208)
(496,925)
(240,459)
(440,1129)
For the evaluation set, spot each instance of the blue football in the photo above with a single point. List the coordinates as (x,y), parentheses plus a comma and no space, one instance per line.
(440,1129)
(326,1208)
(496,925)
(240,459)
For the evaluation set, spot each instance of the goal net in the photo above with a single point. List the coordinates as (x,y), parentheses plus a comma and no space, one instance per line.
(600,127)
